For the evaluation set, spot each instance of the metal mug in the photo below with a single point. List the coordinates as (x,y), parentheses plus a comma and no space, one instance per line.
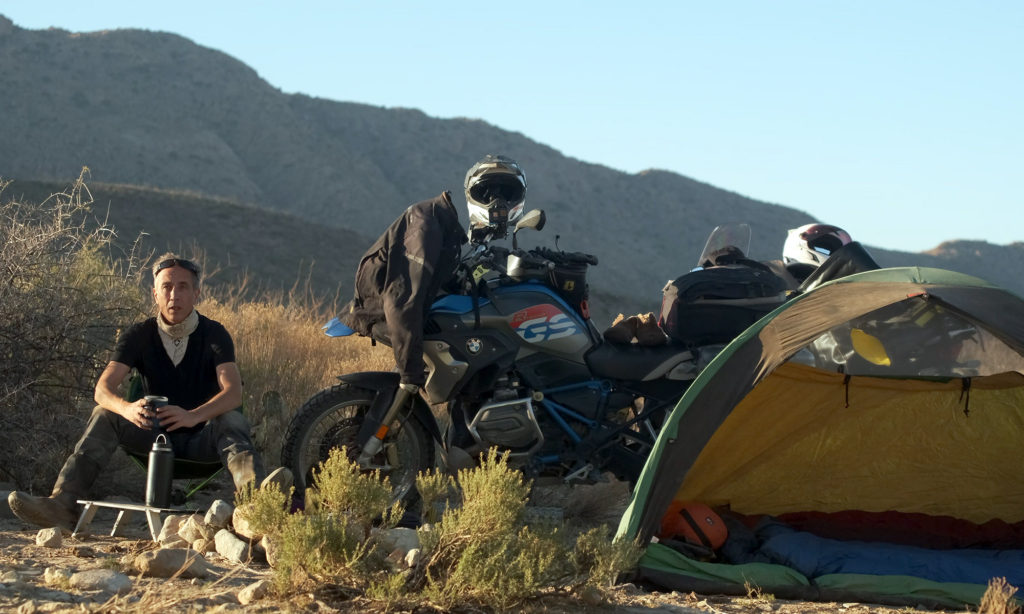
(154,402)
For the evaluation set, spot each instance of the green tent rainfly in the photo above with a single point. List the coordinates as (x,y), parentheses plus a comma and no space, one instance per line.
(875,410)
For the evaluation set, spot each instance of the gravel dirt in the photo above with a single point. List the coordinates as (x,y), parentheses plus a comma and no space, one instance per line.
(24,588)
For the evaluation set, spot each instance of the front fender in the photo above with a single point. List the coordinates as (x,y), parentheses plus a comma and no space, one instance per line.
(384,384)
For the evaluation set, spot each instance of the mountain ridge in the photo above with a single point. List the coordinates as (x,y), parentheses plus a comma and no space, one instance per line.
(153,109)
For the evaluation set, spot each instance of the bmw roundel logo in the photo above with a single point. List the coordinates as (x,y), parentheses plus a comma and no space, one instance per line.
(474,345)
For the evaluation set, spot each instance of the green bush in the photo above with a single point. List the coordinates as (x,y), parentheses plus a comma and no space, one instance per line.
(341,490)
(481,552)
(331,539)
(598,561)
(478,553)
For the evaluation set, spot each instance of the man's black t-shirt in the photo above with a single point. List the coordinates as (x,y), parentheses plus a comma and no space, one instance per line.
(194,380)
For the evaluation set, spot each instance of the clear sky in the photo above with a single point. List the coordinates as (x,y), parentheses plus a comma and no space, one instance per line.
(901,121)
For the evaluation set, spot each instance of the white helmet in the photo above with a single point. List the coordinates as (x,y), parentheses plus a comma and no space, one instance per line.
(813,243)
(495,194)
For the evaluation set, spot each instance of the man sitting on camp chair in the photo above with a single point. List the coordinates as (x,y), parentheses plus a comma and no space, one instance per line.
(179,354)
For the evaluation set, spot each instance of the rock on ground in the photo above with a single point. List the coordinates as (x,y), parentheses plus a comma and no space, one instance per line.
(106,580)
(49,538)
(257,590)
(167,562)
(231,547)
(219,514)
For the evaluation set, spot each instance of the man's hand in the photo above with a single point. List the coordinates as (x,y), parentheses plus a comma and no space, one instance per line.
(139,415)
(173,417)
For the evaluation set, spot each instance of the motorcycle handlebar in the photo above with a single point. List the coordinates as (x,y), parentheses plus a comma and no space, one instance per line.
(494,257)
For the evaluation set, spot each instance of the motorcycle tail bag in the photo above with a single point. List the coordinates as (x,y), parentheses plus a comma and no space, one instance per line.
(715,304)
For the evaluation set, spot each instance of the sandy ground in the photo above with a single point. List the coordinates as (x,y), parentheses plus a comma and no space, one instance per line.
(24,588)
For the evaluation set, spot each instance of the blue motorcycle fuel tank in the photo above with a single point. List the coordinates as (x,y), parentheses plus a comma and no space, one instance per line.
(536,314)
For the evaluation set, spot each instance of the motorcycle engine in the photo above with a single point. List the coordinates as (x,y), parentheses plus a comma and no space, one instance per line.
(508,421)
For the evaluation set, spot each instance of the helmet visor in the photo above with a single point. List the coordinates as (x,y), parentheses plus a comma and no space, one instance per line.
(508,188)
(825,244)
(824,238)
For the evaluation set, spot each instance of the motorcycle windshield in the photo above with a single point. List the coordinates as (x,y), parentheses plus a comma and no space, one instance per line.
(735,235)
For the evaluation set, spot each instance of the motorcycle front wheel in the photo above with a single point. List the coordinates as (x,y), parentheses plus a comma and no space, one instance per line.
(332,418)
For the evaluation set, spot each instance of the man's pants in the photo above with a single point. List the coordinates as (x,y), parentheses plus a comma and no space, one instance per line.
(225,438)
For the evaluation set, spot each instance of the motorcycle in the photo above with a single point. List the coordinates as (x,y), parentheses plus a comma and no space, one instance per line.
(514,362)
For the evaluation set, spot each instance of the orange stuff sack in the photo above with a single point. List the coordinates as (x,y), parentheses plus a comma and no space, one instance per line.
(694,522)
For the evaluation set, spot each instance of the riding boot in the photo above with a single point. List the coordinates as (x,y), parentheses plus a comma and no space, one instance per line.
(245,468)
(58,510)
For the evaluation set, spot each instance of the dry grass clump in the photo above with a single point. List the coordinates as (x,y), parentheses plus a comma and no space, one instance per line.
(999,598)
(62,299)
(285,357)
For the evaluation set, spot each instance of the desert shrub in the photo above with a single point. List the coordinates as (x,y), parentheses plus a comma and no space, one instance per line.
(266,510)
(435,488)
(62,299)
(330,540)
(479,552)
(599,561)
(342,490)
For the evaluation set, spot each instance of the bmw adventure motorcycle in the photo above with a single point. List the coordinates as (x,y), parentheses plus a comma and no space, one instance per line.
(513,362)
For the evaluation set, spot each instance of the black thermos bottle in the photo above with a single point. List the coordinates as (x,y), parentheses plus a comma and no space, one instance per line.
(158,479)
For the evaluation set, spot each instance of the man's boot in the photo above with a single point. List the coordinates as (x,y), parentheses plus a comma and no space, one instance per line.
(648,332)
(243,469)
(58,510)
(622,330)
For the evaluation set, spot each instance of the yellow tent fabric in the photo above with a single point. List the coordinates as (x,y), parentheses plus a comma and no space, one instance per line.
(907,445)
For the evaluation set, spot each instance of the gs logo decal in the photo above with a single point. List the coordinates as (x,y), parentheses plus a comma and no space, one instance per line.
(543,323)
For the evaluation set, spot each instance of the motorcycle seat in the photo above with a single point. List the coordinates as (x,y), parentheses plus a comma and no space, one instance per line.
(636,362)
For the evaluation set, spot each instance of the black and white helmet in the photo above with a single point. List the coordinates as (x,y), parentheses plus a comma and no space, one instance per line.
(495,195)
(812,244)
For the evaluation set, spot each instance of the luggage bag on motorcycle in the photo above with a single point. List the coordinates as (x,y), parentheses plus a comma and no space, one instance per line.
(570,281)
(713,305)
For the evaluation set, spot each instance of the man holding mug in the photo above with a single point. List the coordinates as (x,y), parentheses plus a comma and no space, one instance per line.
(181,355)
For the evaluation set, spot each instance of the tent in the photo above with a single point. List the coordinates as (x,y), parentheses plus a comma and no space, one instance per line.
(855,438)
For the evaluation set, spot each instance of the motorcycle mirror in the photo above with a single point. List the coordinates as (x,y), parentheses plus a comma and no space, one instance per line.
(534,219)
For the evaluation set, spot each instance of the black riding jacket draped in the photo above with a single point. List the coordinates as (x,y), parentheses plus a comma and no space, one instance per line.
(401,274)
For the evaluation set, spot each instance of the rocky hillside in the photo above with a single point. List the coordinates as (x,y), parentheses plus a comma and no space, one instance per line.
(155,110)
